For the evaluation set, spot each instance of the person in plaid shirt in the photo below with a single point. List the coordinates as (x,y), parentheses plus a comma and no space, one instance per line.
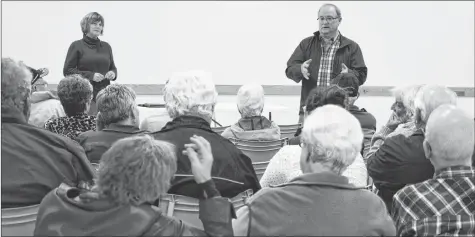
(444,205)
(321,57)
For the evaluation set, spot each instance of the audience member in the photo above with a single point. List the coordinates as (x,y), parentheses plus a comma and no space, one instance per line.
(285,165)
(34,161)
(133,173)
(445,204)
(252,125)
(118,117)
(321,202)
(190,99)
(397,161)
(45,104)
(349,82)
(75,94)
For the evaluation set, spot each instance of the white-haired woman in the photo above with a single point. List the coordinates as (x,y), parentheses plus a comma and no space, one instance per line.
(91,57)
(133,174)
(190,99)
(252,125)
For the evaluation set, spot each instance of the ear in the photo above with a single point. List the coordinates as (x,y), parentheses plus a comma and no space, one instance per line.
(427,149)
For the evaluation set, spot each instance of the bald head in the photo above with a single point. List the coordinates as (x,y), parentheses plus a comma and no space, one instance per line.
(450,135)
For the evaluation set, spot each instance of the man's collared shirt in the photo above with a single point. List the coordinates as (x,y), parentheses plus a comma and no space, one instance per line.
(444,205)
(327,58)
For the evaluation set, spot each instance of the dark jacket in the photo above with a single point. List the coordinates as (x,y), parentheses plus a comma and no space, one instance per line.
(368,124)
(35,161)
(348,53)
(232,170)
(316,204)
(64,209)
(399,161)
(88,56)
(96,143)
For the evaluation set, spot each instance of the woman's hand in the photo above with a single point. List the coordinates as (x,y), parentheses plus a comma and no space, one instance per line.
(110,75)
(98,77)
(201,158)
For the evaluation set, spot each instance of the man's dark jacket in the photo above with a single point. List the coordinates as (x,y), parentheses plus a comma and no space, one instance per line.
(399,161)
(348,53)
(232,171)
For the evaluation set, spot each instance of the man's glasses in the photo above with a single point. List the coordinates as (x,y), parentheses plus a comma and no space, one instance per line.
(328,19)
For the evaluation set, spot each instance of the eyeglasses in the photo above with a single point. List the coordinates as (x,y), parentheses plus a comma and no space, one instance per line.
(328,19)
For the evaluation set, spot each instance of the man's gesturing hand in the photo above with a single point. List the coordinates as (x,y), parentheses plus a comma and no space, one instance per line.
(304,68)
(201,158)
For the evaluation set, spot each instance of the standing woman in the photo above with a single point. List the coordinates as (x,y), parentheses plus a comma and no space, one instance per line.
(91,57)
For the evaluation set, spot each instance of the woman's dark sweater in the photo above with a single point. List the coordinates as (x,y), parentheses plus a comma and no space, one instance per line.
(88,56)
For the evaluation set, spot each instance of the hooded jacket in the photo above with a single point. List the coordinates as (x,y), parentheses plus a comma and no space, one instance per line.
(253,128)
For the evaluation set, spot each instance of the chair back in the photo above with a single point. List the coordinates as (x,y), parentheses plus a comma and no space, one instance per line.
(19,221)
(219,130)
(288,131)
(259,151)
(187,208)
(260,168)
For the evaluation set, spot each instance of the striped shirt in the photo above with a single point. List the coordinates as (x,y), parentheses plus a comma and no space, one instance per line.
(329,49)
(443,206)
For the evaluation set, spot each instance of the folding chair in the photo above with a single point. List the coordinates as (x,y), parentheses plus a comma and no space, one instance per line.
(260,168)
(219,130)
(288,131)
(259,151)
(187,208)
(19,221)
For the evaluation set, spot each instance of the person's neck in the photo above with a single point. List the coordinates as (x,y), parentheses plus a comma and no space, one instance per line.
(330,35)
(316,167)
(128,122)
(440,163)
(92,36)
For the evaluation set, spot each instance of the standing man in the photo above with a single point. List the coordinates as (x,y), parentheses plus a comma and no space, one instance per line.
(321,57)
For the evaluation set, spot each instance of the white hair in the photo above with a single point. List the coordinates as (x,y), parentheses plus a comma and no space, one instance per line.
(450,133)
(333,136)
(250,100)
(429,97)
(407,95)
(190,93)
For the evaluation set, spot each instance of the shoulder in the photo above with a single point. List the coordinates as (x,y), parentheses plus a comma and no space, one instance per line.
(76,44)
(106,45)
(308,40)
(349,41)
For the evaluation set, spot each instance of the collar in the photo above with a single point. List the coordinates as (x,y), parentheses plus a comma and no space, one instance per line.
(326,178)
(10,115)
(91,41)
(458,171)
(343,40)
(115,127)
(187,121)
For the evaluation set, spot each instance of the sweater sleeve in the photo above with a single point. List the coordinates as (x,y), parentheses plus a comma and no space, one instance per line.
(71,63)
(112,65)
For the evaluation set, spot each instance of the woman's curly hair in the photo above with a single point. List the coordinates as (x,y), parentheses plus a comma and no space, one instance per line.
(136,170)
(75,93)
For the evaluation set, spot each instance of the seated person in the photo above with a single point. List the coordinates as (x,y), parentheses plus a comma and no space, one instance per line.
(321,202)
(443,205)
(285,165)
(350,83)
(45,104)
(118,117)
(190,99)
(75,94)
(133,173)
(34,160)
(252,125)
(397,161)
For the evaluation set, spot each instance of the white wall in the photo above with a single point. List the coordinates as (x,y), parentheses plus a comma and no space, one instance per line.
(240,42)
